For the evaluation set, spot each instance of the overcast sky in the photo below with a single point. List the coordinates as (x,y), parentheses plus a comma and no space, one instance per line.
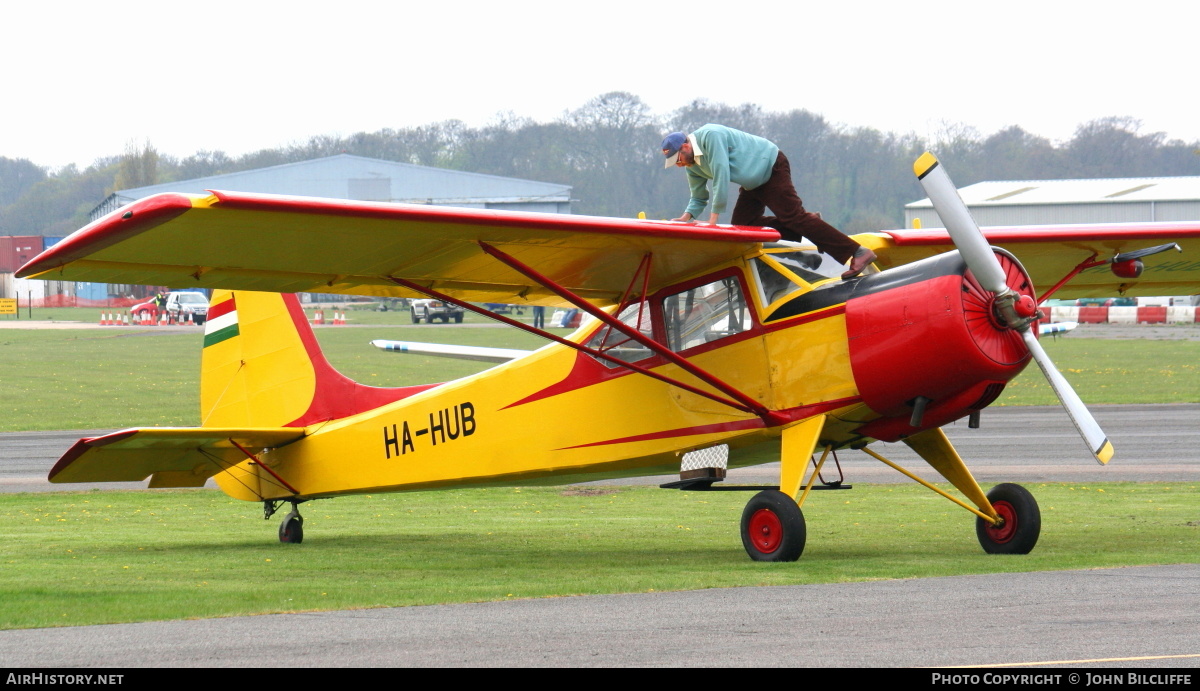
(82,80)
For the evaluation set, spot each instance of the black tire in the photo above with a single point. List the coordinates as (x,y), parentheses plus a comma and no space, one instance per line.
(292,529)
(1022,521)
(458,319)
(773,527)
(412,313)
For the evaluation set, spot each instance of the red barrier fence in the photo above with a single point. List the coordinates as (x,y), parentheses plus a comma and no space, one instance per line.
(74,301)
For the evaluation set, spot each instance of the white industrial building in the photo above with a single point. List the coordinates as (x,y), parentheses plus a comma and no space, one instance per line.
(1053,202)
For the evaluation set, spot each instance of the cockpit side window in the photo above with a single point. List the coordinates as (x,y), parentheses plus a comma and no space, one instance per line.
(705,313)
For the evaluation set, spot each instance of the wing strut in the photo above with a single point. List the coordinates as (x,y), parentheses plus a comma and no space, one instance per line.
(750,404)
(571,344)
(740,400)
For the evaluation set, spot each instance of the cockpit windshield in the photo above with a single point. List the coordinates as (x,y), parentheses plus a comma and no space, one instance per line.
(802,262)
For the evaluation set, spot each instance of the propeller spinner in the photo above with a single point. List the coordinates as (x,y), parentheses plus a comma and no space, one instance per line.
(1013,309)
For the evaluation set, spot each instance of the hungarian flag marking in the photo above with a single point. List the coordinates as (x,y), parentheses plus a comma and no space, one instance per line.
(222,323)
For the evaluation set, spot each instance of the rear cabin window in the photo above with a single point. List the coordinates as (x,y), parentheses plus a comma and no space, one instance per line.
(705,313)
(616,344)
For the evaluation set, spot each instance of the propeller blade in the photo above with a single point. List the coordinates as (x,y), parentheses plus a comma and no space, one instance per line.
(1097,442)
(962,228)
(982,262)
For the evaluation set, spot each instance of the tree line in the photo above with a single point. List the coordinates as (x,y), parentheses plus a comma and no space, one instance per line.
(607,149)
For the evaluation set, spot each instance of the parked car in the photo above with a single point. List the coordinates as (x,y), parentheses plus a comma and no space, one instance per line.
(433,310)
(180,304)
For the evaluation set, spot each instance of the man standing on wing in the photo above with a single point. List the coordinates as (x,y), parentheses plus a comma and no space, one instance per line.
(723,155)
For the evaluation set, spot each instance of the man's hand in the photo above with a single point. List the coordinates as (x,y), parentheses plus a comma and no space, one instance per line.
(712,219)
(685,218)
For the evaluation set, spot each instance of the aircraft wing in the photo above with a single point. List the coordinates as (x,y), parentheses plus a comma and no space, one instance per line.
(175,456)
(285,244)
(1049,253)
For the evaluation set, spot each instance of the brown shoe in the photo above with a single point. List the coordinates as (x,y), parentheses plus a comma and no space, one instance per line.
(862,259)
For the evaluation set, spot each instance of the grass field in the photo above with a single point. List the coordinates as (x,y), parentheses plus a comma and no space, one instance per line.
(100,557)
(95,557)
(117,377)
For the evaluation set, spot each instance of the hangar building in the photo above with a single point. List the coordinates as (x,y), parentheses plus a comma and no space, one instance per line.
(1045,202)
(368,179)
(337,177)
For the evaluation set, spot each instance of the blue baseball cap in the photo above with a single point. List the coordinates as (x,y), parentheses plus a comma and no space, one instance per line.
(671,146)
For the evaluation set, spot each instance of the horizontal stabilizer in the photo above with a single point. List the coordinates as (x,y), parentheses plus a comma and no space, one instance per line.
(458,352)
(176,456)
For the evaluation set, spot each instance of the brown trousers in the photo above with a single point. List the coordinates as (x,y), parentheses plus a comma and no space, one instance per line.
(790,219)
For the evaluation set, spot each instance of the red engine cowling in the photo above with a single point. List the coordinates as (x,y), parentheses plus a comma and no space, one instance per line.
(932,332)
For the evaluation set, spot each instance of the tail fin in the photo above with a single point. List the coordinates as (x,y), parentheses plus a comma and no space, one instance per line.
(262,367)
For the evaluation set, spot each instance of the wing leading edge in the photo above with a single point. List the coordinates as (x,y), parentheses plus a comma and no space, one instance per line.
(294,244)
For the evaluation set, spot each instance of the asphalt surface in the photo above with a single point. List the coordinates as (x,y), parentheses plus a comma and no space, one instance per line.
(1146,617)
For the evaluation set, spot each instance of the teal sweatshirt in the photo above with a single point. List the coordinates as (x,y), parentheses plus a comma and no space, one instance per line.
(727,155)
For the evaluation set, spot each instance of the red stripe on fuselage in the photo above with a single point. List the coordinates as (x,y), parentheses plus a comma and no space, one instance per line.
(684,432)
(792,414)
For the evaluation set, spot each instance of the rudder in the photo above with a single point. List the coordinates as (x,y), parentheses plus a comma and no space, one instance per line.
(254,370)
(262,367)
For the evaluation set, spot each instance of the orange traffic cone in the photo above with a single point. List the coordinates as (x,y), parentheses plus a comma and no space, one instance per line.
(125,321)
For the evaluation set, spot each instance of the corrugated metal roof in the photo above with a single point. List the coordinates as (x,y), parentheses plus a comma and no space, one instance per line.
(368,179)
(1106,190)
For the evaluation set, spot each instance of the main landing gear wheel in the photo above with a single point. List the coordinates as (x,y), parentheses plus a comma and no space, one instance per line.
(1022,524)
(773,527)
(292,528)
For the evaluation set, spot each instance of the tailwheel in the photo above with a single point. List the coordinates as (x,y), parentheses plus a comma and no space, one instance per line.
(292,528)
(1018,532)
(773,527)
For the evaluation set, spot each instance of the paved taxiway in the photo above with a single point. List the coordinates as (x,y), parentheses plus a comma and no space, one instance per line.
(1130,617)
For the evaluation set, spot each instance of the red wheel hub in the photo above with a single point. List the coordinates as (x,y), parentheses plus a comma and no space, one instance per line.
(1004,532)
(766,531)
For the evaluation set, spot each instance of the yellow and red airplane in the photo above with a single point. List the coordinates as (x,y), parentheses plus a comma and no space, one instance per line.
(710,347)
